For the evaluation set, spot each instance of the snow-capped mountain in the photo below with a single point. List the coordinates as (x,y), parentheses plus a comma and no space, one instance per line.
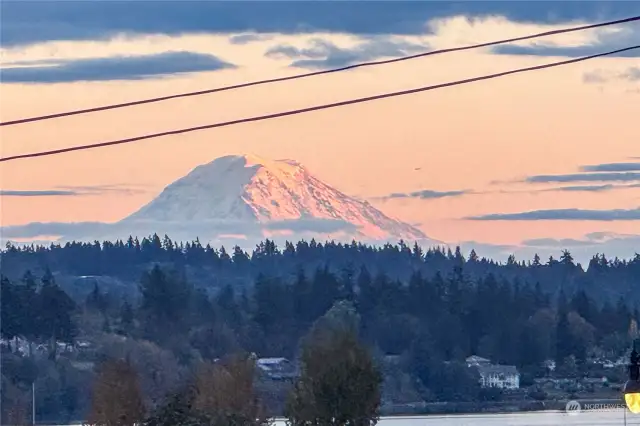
(234,194)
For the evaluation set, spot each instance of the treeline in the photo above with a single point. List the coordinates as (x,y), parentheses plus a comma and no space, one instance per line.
(339,383)
(508,322)
(603,278)
(37,312)
(430,323)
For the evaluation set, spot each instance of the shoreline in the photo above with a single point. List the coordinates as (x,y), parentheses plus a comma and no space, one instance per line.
(497,407)
(470,416)
(456,410)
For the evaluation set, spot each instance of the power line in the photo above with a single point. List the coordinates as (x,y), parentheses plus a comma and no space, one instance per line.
(311,74)
(313,108)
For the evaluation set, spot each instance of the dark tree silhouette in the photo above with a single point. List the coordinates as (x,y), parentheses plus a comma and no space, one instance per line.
(339,383)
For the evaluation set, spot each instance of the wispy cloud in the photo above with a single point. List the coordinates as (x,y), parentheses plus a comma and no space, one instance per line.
(621,245)
(325,54)
(73,191)
(584,188)
(112,68)
(425,194)
(564,214)
(107,188)
(589,240)
(602,76)
(570,188)
(44,193)
(603,172)
(605,40)
(588,188)
(184,231)
(248,38)
(612,167)
(571,52)
(552,242)
(428,194)
(585,177)
(595,76)
(632,74)
(39,229)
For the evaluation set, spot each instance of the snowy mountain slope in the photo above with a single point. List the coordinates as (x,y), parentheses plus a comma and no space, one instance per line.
(278,195)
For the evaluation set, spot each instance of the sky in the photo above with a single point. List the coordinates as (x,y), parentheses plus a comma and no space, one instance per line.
(533,162)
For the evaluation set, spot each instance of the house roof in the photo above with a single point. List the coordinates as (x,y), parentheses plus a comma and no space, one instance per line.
(497,369)
(477,359)
(271,361)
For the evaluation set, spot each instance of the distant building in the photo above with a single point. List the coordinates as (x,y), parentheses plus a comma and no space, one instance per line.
(499,376)
(277,368)
(475,360)
(392,359)
(495,376)
(549,364)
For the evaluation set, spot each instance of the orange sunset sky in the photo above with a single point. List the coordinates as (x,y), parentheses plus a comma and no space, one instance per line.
(484,138)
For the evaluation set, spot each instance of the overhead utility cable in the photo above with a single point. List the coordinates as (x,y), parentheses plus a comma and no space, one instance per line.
(315,73)
(310,109)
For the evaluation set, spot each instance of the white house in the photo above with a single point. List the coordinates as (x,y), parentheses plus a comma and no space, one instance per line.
(277,368)
(549,364)
(499,376)
(494,376)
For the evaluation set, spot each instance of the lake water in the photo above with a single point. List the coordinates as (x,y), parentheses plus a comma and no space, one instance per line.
(585,418)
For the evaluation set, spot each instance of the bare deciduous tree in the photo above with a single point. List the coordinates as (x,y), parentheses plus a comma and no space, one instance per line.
(117,399)
(158,370)
(16,408)
(226,395)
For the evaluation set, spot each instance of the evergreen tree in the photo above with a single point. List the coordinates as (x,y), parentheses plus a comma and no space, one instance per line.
(96,300)
(563,338)
(566,258)
(126,317)
(166,301)
(339,383)
(178,410)
(10,310)
(54,318)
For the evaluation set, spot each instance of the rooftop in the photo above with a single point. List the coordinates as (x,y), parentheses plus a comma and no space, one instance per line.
(271,361)
(497,369)
(475,359)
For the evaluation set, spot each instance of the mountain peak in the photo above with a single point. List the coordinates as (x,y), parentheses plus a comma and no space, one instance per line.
(252,190)
(251,160)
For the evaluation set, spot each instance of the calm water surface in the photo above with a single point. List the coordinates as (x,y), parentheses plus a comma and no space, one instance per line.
(602,418)
(593,418)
